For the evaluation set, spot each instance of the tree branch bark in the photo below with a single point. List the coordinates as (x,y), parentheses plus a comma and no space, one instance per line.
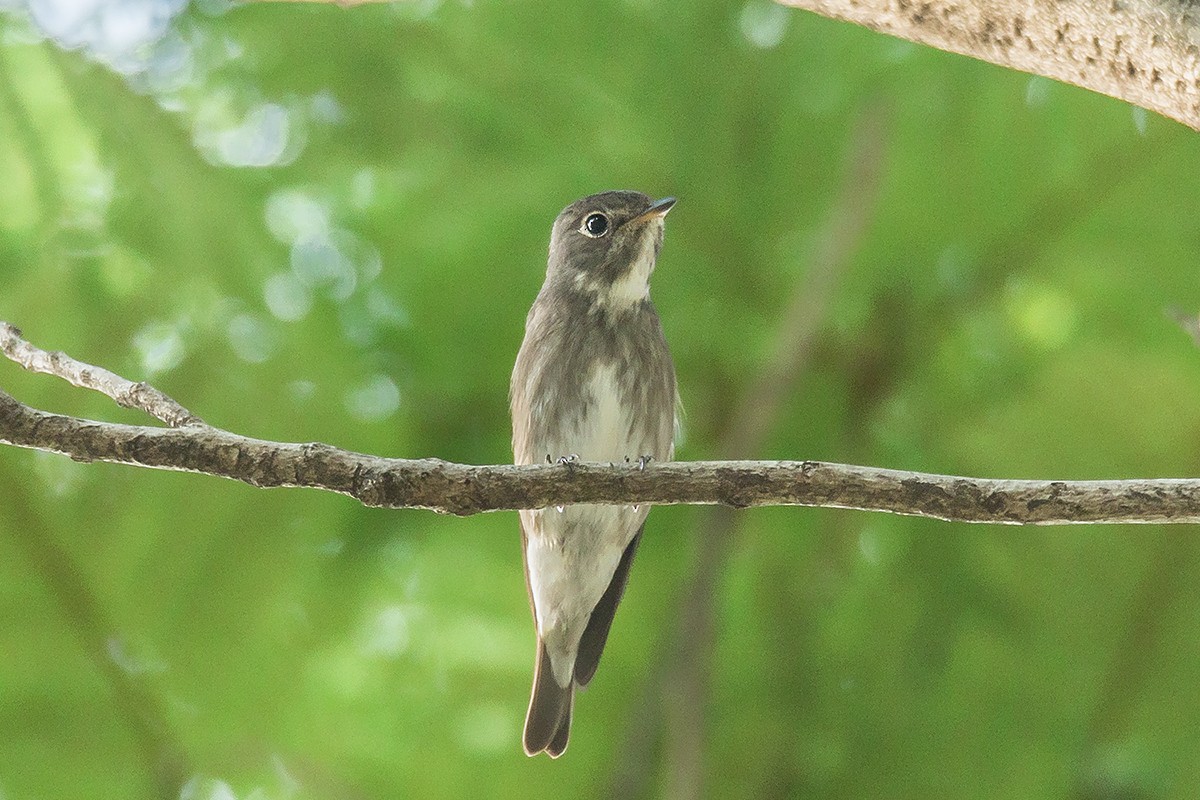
(1146,52)
(127,394)
(465,489)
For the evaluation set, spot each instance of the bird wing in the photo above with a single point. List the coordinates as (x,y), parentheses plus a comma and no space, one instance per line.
(596,632)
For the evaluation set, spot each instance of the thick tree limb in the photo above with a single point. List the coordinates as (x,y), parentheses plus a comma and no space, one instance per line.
(465,489)
(1146,52)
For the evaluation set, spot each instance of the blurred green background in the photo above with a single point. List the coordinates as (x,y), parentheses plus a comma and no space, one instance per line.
(312,223)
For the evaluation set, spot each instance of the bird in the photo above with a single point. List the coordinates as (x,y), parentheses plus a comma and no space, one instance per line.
(593,381)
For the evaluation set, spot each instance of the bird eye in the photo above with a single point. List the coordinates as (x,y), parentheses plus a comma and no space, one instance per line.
(595,226)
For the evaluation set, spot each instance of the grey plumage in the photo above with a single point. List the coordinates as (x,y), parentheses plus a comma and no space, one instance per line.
(593,379)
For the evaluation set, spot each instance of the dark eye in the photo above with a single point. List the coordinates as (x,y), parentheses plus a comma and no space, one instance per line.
(595,225)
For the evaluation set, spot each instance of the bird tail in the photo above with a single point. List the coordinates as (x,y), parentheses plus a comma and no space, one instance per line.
(548,723)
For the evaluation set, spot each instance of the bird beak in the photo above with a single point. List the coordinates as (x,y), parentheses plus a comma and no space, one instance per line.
(657,209)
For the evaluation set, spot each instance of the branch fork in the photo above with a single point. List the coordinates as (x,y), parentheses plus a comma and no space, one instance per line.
(463,489)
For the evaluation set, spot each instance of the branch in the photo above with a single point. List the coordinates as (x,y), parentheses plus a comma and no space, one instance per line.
(1140,51)
(465,489)
(127,394)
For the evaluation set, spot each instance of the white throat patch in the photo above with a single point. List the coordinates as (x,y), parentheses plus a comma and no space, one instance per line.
(633,287)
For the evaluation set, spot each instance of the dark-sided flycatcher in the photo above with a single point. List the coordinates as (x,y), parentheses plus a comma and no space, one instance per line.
(594,381)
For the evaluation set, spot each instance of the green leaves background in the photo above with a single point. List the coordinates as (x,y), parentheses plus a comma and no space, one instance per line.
(311,223)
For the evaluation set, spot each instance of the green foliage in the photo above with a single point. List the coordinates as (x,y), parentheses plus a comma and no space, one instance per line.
(311,223)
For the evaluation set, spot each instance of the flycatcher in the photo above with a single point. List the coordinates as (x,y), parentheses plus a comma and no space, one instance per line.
(593,381)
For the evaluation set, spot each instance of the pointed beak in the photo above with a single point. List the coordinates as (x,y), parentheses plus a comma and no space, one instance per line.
(657,209)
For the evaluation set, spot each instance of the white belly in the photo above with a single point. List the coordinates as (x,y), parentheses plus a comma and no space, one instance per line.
(603,433)
(573,553)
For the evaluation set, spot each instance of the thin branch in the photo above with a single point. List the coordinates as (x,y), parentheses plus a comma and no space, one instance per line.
(139,396)
(465,489)
(1140,51)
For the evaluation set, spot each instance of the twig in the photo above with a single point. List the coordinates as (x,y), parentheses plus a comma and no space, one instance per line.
(139,396)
